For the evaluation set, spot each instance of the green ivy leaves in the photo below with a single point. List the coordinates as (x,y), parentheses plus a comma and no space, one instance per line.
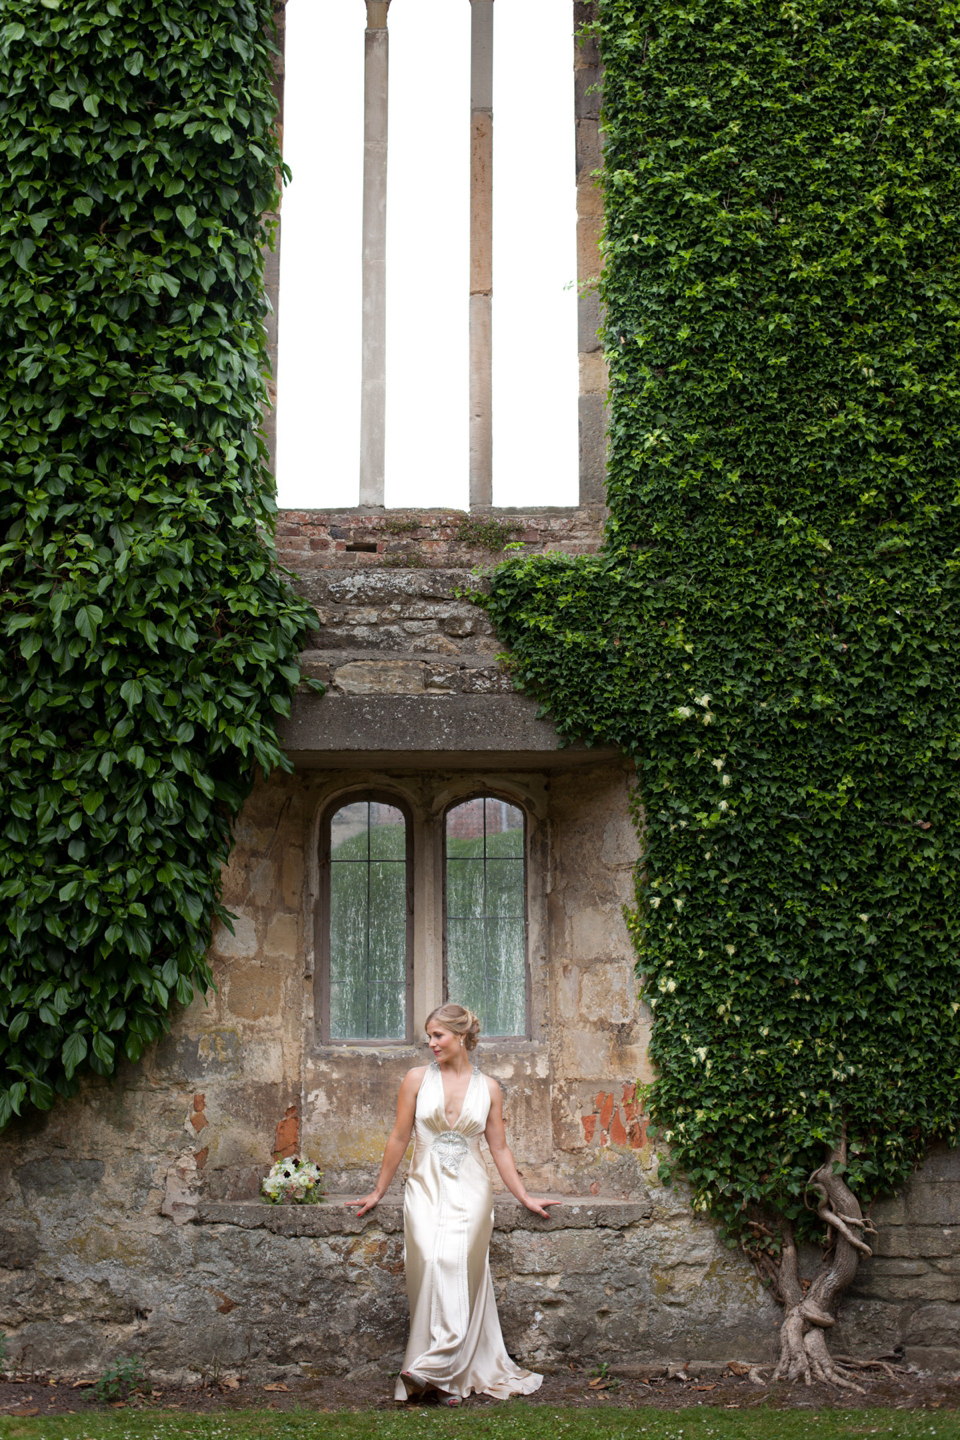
(773,630)
(149,643)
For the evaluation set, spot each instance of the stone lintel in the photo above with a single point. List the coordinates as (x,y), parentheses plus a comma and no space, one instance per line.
(417,761)
(445,726)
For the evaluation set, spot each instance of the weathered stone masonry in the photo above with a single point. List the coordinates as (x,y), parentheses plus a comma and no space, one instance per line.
(130,1223)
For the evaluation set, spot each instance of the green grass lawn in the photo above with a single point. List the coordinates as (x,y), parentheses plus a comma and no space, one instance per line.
(513,1422)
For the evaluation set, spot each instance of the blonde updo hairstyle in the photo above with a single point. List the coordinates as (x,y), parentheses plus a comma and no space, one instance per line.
(459,1020)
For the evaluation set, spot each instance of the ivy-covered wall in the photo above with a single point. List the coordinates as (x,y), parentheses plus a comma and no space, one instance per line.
(149,644)
(769,632)
(772,629)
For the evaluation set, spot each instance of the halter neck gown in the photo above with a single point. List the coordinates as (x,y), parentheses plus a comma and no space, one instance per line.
(455,1341)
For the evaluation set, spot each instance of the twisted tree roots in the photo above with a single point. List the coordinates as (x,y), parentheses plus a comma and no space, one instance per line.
(809,1314)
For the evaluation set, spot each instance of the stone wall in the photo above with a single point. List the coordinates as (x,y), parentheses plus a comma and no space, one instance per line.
(909,1292)
(600,1281)
(90,1270)
(374,613)
(130,1220)
(311,540)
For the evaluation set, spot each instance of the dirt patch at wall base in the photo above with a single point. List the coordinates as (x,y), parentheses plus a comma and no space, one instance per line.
(902,1391)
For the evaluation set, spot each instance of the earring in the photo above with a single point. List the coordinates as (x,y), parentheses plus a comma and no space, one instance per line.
(461,1042)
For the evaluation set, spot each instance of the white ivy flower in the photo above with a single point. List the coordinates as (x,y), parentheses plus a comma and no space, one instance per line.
(730,949)
(728,779)
(678,902)
(655,902)
(683,712)
(703,700)
(701,1050)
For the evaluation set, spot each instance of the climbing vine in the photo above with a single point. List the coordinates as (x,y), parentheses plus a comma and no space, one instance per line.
(772,630)
(149,644)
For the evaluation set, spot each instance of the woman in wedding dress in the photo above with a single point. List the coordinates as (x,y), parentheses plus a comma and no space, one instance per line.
(455,1345)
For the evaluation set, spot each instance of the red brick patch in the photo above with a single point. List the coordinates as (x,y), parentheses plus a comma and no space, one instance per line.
(199,1122)
(620,1125)
(288,1135)
(637,1133)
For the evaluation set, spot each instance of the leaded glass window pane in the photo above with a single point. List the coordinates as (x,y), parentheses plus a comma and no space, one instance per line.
(368,922)
(486,924)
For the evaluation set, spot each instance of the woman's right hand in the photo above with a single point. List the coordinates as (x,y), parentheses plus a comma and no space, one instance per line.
(367,1203)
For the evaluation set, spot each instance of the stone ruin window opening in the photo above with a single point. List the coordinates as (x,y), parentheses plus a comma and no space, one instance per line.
(447,376)
(366,909)
(485,913)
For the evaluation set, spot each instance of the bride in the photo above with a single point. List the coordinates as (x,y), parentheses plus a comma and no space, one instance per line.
(455,1344)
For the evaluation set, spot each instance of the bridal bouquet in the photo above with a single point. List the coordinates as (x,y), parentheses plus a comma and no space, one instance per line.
(295,1180)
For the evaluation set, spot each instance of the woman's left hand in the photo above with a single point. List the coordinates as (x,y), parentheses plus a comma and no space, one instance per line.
(539,1207)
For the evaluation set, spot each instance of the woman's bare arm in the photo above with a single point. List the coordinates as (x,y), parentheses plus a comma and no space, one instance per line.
(398,1141)
(496,1138)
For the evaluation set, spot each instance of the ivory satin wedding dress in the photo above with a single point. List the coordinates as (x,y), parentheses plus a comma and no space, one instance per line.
(455,1342)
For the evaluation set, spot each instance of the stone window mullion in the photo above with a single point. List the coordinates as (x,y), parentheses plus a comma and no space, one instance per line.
(374,341)
(481,253)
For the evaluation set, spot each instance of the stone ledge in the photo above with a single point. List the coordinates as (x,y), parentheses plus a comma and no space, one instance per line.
(578,1212)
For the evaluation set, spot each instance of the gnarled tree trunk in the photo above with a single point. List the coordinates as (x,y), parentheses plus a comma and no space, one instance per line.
(809,1314)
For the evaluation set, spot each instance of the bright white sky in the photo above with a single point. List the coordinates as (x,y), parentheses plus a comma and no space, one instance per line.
(534,316)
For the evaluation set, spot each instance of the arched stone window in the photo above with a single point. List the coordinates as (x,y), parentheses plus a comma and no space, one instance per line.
(485,913)
(366,921)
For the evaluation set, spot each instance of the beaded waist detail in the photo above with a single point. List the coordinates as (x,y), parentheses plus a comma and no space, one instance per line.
(451,1149)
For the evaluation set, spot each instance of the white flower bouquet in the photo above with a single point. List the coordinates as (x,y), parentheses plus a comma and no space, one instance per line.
(297,1181)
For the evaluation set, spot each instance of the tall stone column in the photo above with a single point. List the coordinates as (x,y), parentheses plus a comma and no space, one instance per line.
(588,79)
(481,253)
(374,342)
